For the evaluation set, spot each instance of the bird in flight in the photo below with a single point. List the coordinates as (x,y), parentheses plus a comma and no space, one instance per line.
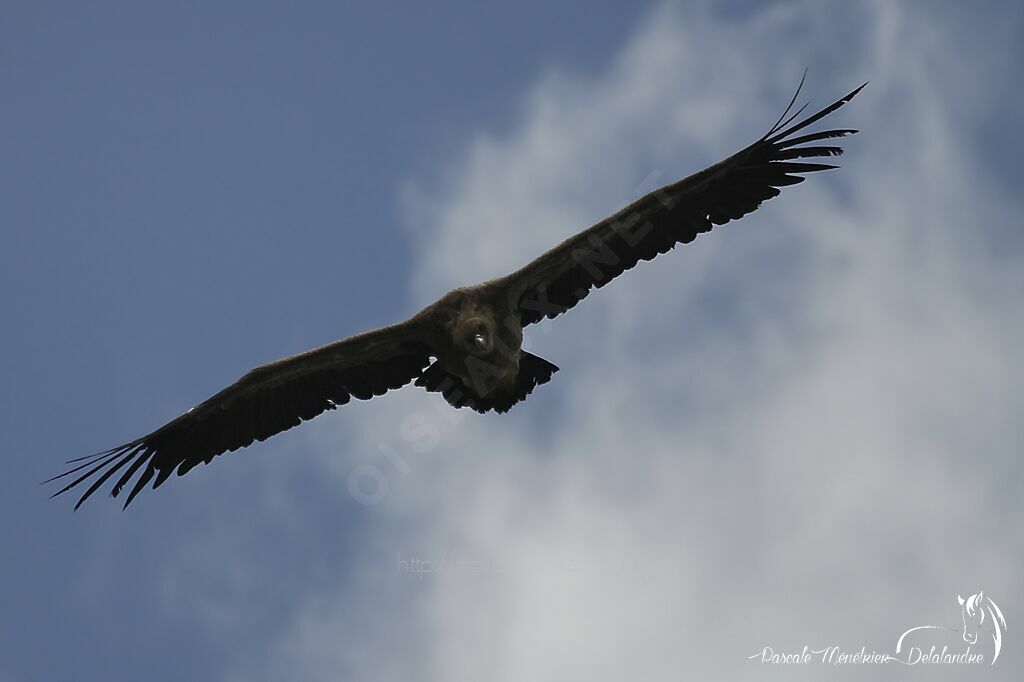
(467,346)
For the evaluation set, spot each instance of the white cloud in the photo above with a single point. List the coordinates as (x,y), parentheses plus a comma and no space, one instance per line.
(802,428)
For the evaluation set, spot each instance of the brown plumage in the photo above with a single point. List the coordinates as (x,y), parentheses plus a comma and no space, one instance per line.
(467,345)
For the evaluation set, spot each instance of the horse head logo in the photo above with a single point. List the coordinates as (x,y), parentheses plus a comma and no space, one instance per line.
(976,610)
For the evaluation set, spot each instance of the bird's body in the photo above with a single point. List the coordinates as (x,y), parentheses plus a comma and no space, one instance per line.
(467,345)
(479,322)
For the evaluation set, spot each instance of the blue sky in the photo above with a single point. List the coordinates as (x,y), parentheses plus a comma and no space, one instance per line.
(804,427)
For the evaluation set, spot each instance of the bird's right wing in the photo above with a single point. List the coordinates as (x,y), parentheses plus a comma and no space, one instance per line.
(266,401)
(674,214)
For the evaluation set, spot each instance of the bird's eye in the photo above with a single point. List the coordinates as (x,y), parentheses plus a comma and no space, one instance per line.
(481,341)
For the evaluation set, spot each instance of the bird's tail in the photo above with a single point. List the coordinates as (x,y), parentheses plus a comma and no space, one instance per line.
(533,371)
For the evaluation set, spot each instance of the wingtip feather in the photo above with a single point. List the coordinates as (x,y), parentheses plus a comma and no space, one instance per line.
(779,135)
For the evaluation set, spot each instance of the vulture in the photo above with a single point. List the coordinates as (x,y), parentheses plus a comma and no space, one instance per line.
(467,346)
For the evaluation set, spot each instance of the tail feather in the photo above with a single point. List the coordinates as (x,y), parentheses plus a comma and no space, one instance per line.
(533,371)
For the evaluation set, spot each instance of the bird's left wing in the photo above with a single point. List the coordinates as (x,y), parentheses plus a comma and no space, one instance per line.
(674,214)
(266,401)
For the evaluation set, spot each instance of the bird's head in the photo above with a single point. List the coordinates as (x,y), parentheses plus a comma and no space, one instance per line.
(476,335)
(490,360)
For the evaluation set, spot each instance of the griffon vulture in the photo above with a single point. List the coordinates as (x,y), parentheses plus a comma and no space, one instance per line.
(467,345)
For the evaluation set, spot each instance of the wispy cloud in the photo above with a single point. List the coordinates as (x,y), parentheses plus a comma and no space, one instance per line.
(802,428)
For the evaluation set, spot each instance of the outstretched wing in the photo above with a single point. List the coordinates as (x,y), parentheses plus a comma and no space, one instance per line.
(674,214)
(266,401)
